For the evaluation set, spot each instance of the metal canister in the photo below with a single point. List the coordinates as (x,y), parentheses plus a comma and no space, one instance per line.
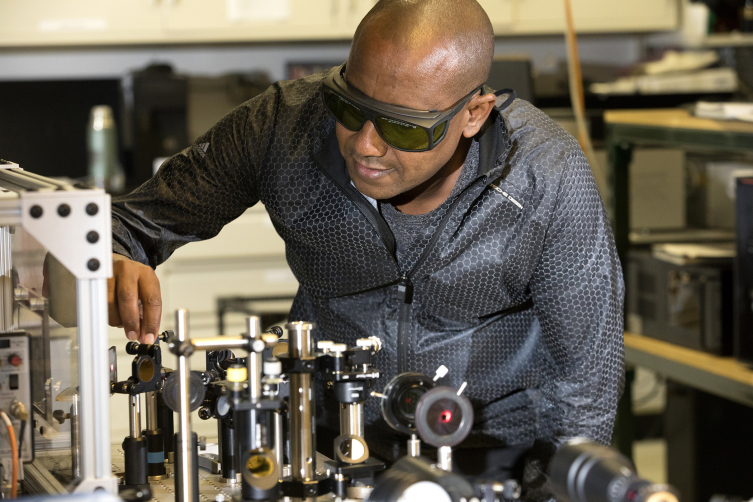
(102,142)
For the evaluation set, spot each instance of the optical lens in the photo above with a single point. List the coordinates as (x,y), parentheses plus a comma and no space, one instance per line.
(402,135)
(347,114)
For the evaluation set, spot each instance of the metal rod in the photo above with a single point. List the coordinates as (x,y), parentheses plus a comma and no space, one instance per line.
(444,457)
(414,446)
(150,404)
(220,343)
(134,415)
(302,439)
(184,412)
(254,361)
(279,445)
(351,419)
(75,439)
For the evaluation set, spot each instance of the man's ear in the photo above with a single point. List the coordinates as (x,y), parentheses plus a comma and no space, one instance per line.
(479,109)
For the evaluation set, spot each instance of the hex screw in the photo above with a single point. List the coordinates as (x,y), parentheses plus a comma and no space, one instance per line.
(64,210)
(93,264)
(92,236)
(92,209)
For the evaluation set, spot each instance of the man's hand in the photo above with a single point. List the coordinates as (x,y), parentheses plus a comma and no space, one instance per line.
(133,282)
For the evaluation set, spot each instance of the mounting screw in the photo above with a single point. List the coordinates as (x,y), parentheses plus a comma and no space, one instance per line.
(205,414)
(64,210)
(92,209)
(93,264)
(92,236)
(36,211)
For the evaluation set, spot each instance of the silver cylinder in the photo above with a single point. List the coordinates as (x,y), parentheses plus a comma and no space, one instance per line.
(184,411)
(150,405)
(414,446)
(134,416)
(279,444)
(444,458)
(220,343)
(301,410)
(351,419)
(75,439)
(254,360)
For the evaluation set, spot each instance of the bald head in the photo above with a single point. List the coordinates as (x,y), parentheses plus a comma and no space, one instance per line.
(449,44)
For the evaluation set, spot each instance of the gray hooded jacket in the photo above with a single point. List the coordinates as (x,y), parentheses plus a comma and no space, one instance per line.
(519,292)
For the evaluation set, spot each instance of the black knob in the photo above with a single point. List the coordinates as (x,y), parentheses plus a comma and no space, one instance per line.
(92,237)
(93,264)
(36,211)
(92,209)
(64,210)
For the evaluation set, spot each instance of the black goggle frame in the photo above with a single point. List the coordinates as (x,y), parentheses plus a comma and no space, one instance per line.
(427,120)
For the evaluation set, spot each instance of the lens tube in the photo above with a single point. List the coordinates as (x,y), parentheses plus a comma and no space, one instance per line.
(443,418)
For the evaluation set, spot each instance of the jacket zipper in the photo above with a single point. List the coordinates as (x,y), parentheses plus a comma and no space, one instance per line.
(405,285)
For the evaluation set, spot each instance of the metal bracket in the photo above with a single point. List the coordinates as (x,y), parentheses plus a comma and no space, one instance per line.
(75,226)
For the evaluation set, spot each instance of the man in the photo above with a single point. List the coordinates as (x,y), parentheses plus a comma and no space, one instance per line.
(472,237)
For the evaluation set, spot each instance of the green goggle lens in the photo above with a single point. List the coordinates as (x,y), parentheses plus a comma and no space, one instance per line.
(347,114)
(401,134)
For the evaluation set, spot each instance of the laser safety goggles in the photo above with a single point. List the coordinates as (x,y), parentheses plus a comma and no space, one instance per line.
(402,128)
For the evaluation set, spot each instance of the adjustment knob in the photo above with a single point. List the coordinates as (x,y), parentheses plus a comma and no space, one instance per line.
(236,373)
(272,367)
(14,359)
(324,345)
(338,348)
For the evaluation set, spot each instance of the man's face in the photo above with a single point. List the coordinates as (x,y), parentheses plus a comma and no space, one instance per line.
(388,75)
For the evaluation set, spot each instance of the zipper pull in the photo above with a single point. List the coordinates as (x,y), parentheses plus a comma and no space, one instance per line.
(405,289)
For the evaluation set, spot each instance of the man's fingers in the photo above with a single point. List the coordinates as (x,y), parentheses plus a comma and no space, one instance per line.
(127,293)
(113,316)
(151,302)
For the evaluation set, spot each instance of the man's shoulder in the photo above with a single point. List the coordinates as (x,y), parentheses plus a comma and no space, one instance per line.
(531,128)
(301,91)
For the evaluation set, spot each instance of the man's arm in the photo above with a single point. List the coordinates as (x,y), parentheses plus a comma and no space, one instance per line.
(578,296)
(193,195)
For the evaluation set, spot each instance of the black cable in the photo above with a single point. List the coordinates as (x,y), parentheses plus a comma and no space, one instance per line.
(21,433)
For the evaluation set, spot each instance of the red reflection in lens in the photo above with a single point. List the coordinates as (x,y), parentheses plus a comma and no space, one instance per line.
(445,416)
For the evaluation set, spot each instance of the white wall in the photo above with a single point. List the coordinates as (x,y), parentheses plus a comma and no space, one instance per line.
(113,62)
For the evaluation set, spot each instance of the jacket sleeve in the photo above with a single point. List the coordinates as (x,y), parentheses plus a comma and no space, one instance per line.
(578,294)
(199,190)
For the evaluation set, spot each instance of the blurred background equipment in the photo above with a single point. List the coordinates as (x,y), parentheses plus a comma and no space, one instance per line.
(584,471)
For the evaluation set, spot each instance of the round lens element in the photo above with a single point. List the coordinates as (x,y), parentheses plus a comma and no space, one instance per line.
(345,112)
(443,418)
(259,468)
(401,396)
(402,135)
(146,369)
(351,449)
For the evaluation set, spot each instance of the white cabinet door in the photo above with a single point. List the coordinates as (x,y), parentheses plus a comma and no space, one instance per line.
(241,20)
(45,22)
(351,12)
(501,14)
(594,16)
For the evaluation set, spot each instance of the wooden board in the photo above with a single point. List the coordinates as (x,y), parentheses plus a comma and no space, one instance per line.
(722,376)
(676,118)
